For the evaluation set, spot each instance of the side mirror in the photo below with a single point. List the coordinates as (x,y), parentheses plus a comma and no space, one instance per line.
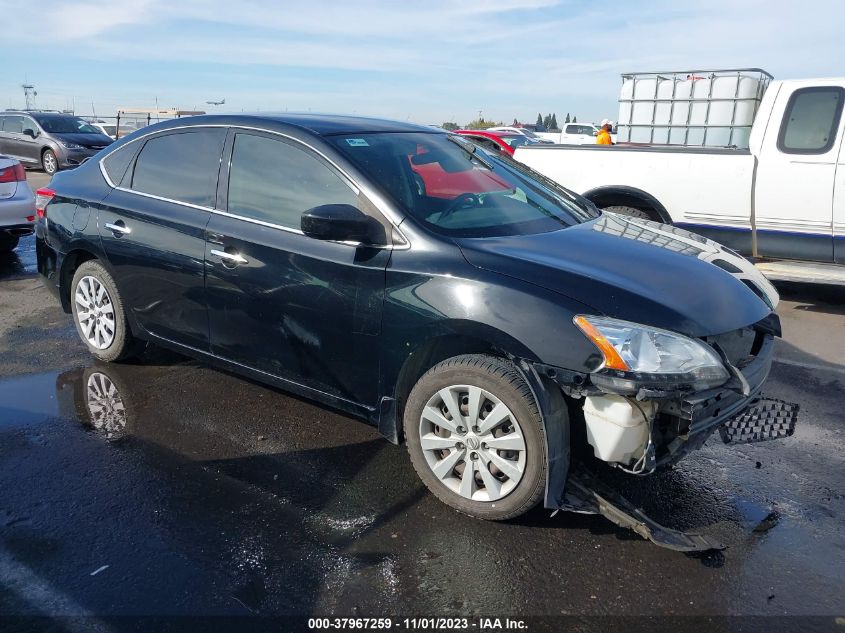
(30,133)
(339,223)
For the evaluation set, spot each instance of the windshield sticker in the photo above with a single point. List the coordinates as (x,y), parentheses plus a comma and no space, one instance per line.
(357,142)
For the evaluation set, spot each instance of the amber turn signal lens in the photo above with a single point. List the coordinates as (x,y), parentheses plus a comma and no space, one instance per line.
(612,359)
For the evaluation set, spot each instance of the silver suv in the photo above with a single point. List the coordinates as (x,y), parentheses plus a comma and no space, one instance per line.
(49,140)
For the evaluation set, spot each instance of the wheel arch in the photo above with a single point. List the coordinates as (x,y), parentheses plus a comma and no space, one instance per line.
(77,254)
(460,339)
(52,149)
(623,195)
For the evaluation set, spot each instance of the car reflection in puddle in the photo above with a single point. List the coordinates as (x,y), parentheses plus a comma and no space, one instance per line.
(105,406)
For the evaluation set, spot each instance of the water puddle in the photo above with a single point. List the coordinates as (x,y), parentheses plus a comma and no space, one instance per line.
(28,400)
(21,262)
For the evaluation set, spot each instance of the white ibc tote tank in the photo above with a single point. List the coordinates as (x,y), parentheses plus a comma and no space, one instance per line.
(623,121)
(710,108)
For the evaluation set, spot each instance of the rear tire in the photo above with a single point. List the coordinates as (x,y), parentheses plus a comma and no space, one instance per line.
(630,211)
(503,445)
(49,162)
(8,243)
(98,313)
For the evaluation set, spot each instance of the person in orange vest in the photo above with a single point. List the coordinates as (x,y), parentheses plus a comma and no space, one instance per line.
(603,137)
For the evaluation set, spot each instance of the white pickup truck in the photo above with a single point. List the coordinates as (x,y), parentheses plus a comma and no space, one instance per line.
(783,198)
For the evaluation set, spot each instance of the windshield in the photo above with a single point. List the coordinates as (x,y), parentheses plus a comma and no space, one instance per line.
(66,125)
(454,188)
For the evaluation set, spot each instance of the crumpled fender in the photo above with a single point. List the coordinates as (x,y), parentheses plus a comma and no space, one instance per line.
(555,415)
(580,491)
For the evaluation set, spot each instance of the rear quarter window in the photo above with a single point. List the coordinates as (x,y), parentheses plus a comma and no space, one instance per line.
(182,166)
(116,163)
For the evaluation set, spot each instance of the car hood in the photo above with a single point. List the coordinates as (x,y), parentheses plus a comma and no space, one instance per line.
(636,270)
(86,140)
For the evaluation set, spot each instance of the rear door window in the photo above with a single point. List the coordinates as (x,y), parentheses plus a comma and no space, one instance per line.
(182,166)
(273,181)
(811,120)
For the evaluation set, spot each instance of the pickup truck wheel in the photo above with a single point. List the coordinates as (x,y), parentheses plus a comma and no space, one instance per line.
(632,211)
(475,437)
(98,313)
(8,243)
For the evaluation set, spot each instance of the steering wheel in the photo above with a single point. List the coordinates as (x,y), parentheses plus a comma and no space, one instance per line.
(463,200)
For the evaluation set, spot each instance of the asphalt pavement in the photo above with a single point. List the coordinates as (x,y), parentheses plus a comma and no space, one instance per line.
(200,492)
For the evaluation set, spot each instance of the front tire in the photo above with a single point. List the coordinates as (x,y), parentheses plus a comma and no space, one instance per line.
(98,313)
(476,438)
(49,162)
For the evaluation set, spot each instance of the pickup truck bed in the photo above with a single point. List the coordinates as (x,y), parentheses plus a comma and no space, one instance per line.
(645,169)
(782,199)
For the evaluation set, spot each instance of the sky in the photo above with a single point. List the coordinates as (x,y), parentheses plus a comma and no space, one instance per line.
(429,62)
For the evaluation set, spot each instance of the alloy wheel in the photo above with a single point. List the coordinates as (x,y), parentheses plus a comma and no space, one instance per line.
(95,312)
(50,162)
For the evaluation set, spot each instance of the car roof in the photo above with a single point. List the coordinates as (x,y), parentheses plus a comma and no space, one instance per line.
(489,133)
(319,124)
(38,113)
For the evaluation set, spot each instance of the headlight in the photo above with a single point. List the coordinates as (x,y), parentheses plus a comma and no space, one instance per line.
(71,145)
(641,356)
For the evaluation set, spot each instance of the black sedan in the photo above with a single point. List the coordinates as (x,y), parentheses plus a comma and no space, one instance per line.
(500,325)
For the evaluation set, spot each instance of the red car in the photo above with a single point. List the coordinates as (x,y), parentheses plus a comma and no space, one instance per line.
(506,142)
(436,182)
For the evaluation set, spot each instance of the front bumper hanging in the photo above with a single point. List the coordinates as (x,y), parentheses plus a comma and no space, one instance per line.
(587,494)
(764,419)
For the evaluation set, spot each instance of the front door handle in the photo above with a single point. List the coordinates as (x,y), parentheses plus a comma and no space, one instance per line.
(233,259)
(118,228)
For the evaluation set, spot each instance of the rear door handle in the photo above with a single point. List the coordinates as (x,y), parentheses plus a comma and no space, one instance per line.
(233,259)
(118,227)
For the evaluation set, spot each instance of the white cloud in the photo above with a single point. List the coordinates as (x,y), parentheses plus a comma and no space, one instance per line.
(77,20)
(429,59)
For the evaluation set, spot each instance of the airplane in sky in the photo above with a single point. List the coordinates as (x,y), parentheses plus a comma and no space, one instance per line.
(216,103)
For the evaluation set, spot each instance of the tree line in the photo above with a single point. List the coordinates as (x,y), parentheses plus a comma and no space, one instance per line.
(546,123)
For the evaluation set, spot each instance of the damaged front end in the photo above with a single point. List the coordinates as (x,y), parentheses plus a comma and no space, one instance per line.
(657,396)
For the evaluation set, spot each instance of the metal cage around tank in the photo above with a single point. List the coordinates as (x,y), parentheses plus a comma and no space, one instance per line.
(713,108)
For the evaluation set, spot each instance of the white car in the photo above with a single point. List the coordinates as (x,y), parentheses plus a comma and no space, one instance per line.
(109,129)
(519,130)
(17,204)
